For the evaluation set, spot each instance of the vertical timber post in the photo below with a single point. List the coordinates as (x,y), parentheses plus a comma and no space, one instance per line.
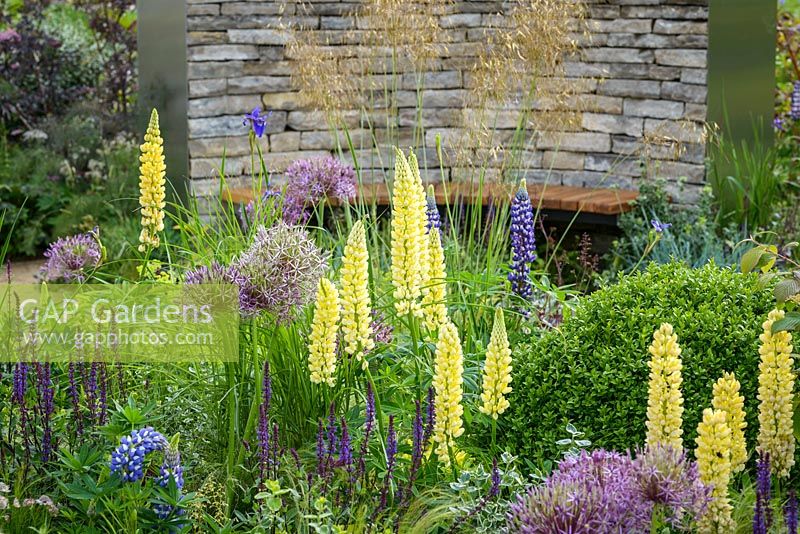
(741,69)
(163,81)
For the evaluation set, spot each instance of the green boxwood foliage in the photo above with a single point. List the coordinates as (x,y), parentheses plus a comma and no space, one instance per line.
(593,370)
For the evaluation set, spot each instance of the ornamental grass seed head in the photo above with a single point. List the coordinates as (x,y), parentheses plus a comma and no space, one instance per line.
(434,292)
(408,228)
(664,399)
(776,396)
(497,370)
(322,342)
(728,399)
(356,304)
(152,190)
(448,384)
(714,463)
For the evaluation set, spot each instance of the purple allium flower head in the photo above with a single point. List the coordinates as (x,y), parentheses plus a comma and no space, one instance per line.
(257,121)
(794,112)
(790,513)
(71,259)
(667,479)
(217,273)
(659,227)
(279,270)
(602,491)
(523,242)
(310,181)
(434,219)
(128,458)
(762,516)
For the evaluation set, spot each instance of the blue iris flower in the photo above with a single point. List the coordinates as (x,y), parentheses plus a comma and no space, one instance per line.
(257,121)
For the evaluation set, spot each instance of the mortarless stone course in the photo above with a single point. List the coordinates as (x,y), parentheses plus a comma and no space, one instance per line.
(640,76)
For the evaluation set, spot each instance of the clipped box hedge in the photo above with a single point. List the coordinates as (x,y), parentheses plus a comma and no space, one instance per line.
(593,372)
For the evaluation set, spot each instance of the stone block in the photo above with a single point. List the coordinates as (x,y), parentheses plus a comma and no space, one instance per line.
(680,27)
(619,55)
(684,92)
(259,37)
(613,124)
(659,109)
(633,88)
(682,58)
(574,142)
(563,160)
(285,141)
(207,87)
(225,52)
(258,84)
(214,147)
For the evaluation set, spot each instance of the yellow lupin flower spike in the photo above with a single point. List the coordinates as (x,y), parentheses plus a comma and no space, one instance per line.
(714,465)
(728,399)
(152,190)
(665,401)
(497,370)
(776,393)
(409,246)
(434,292)
(356,305)
(448,379)
(322,345)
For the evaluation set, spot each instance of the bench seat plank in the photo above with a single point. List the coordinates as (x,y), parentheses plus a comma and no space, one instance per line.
(550,197)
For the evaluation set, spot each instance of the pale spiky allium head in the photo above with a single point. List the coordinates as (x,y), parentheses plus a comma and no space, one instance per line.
(713,455)
(448,379)
(497,370)
(356,304)
(776,393)
(728,399)
(434,289)
(322,342)
(664,399)
(152,190)
(409,246)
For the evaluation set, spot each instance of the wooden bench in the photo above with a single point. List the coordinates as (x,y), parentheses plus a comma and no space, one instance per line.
(560,198)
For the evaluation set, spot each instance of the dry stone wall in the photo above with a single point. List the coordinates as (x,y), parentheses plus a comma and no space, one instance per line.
(641,72)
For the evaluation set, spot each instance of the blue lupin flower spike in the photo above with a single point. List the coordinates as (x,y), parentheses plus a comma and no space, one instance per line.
(523,242)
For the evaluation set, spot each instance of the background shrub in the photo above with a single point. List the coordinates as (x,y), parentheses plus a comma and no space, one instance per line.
(593,370)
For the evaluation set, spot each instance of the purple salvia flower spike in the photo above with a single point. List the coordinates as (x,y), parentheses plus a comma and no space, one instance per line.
(790,513)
